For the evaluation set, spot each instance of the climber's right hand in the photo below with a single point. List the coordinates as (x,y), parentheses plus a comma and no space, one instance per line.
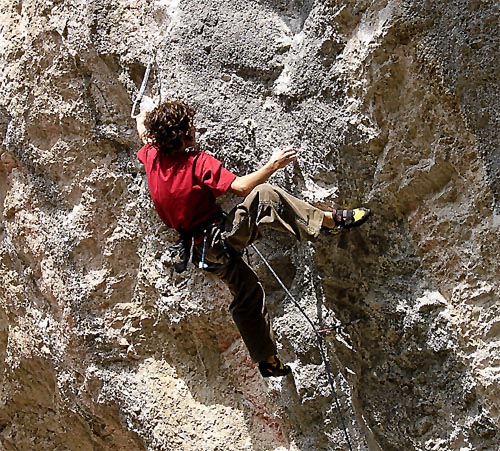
(281,158)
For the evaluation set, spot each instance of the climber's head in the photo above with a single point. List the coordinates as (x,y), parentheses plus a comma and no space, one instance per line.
(170,126)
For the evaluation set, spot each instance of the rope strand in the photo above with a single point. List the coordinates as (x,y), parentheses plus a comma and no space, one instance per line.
(321,347)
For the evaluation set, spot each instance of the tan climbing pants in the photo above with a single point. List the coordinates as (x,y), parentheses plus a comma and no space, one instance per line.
(265,206)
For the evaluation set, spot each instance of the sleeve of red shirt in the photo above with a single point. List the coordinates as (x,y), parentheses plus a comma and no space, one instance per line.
(213,174)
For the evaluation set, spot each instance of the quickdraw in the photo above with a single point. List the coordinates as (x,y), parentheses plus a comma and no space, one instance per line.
(140,94)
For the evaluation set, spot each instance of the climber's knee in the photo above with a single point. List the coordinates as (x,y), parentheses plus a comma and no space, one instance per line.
(264,191)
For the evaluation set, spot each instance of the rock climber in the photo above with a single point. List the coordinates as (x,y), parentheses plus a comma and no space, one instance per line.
(184,185)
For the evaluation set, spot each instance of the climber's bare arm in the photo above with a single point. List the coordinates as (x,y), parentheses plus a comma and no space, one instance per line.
(141,129)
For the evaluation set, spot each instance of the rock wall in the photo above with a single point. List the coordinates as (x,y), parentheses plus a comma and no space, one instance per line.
(391,104)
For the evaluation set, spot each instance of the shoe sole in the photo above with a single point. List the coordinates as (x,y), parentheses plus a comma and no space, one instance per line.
(361,221)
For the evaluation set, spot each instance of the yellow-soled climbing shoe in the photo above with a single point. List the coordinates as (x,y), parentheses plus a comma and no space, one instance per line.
(347,219)
(276,369)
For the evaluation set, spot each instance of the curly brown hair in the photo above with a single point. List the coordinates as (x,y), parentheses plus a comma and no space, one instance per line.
(169,124)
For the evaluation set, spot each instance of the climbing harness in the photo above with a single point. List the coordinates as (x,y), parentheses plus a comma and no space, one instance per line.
(182,252)
(320,339)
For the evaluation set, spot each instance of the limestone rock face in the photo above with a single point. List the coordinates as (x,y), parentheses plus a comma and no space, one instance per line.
(391,104)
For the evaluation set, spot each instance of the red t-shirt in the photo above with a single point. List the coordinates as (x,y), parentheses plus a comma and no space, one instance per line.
(184,185)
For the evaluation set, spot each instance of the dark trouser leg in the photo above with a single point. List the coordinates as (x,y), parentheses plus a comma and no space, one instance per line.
(248,307)
(271,206)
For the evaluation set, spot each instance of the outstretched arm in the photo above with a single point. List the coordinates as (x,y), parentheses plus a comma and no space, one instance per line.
(141,129)
(243,185)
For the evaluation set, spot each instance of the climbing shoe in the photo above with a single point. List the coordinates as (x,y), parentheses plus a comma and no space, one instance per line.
(276,369)
(347,219)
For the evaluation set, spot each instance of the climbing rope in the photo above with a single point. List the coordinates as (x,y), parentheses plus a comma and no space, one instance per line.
(321,344)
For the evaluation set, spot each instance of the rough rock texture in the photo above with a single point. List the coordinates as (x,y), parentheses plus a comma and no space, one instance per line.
(392,104)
